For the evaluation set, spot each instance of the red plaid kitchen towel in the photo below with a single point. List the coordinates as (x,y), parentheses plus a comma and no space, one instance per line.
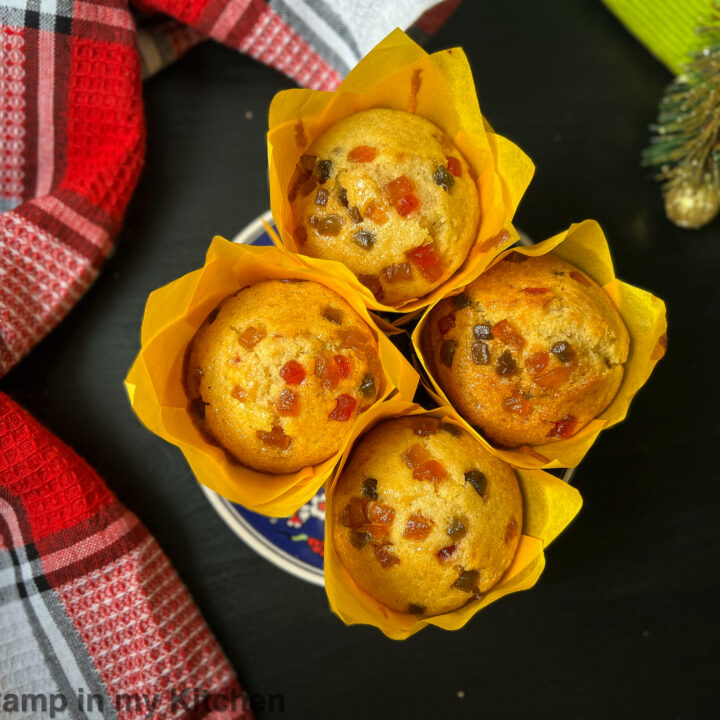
(94,622)
(71,123)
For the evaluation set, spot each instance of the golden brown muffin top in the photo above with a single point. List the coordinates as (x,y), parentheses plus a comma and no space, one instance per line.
(424,517)
(530,352)
(279,371)
(386,193)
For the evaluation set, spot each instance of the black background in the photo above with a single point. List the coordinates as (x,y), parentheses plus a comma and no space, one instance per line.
(623,622)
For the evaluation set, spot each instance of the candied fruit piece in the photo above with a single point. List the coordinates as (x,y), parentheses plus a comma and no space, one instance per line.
(445,324)
(467,581)
(445,555)
(454,166)
(323,170)
(275,438)
(509,334)
(372,283)
(343,410)
(379,514)
(362,154)
(517,404)
(327,371)
(444,178)
(327,225)
(415,456)
(401,193)
(355,215)
(322,197)
(553,378)
(288,404)
(537,362)
(367,385)
(342,197)
(456,529)
(239,393)
(292,372)
(447,352)
(354,339)
(407,204)
(384,556)
(354,513)
(251,336)
(506,364)
(364,238)
(334,315)
(578,277)
(397,272)
(430,471)
(564,428)
(477,479)
(418,527)
(462,301)
(343,364)
(451,429)
(535,290)
(427,261)
(511,531)
(564,351)
(369,488)
(426,426)
(375,213)
(480,352)
(359,539)
(483,331)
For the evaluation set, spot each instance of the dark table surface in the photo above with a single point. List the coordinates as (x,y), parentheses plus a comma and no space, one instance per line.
(623,623)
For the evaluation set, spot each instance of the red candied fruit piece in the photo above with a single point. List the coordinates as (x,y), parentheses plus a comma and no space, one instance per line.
(415,456)
(401,193)
(430,471)
(343,365)
(275,438)
(418,527)
(445,554)
(288,404)
(407,204)
(508,334)
(251,336)
(426,259)
(454,166)
(518,404)
(537,362)
(362,154)
(535,290)
(445,324)
(564,428)
(344,407)
(384,556)
(552,379)
(327,371)
(292,372)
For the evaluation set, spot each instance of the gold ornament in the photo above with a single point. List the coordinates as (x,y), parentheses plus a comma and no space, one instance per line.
(692,204)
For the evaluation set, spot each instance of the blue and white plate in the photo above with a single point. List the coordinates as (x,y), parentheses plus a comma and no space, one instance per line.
(295,544)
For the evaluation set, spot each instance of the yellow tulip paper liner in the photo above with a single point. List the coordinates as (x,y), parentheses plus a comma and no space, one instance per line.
(549,504)
(155,385)
(400,75)
(584,245)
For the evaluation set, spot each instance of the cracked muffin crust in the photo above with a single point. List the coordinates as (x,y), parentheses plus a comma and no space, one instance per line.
(529,352)
(279,371)
(424,517)
(388,194)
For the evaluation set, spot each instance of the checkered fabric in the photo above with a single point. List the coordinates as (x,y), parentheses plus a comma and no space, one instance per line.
(94,622)
(71,123)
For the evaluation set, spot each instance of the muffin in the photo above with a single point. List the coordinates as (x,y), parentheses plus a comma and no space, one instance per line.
(386,193)
(424,517)
(529,352)
(278,372)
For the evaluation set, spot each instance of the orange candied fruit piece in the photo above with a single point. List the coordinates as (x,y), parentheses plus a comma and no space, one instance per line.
(454,166)
(517,404)
(362,154)
(537,362)
(374,212)
(384,556)
(552,379)
(415,456)
(292,372)
(577,276)
(372,283)
(426,426)
(327,371)
(426,259)
(418,527)
(509,334)
(564,428)
(397,272)
(343,410)
(535,290)
(344,364)
(354,516)
(355,339)
(275,438)
(239,393)
(430,471)
(401,194)
(251,336)
(288,404)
